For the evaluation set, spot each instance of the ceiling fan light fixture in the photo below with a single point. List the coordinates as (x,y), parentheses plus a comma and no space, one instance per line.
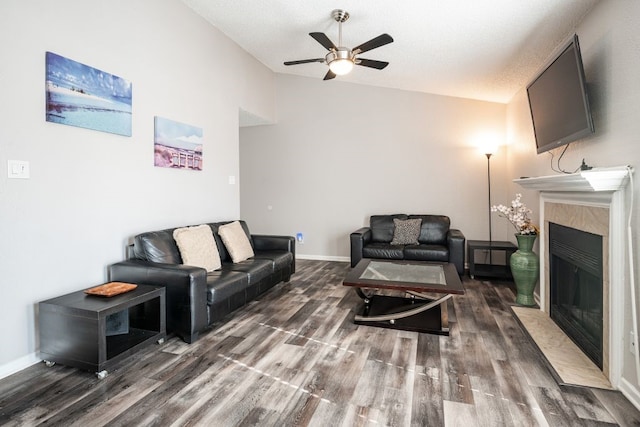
(341,67)
(340,61)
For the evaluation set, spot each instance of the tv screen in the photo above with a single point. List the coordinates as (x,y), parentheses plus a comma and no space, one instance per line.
(558,100)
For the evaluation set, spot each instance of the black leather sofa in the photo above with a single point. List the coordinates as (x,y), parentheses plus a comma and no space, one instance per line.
(436,242)
(196,299)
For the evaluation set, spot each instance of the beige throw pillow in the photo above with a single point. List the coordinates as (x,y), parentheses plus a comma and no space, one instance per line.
(197,247)
(236,241)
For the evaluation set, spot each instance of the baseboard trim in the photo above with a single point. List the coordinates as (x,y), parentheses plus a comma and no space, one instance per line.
(18,365)
(323,258)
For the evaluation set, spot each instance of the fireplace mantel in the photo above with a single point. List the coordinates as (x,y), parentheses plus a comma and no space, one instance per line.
(596,179)
(590,200)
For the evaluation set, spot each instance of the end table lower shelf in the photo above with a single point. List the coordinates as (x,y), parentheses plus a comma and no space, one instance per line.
(490,269)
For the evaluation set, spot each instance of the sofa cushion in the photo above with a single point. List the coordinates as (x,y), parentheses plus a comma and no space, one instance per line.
(426,253)
(236,241)
(383,250)
(382,227)
(222,284)
(406,231)
(278,259)
(197,247)
(255,269)
(434,228)
(157,246)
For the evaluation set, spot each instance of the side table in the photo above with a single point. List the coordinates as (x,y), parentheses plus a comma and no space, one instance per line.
(78,329)
(490,269)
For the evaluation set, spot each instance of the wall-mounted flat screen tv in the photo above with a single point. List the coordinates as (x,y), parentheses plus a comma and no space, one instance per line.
(559,101)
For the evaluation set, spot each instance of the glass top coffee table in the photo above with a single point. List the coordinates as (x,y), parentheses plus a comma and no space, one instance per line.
(424,289)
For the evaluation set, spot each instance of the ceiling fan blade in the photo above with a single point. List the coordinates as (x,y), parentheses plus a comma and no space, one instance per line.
(323,40)
(378,65)
(304,61)
(381,40)
(330,75)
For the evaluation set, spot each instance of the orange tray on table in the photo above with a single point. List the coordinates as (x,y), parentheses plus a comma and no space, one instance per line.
(111,289)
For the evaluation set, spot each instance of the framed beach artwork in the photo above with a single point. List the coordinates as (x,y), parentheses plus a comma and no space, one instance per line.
(177,145)
(79,95)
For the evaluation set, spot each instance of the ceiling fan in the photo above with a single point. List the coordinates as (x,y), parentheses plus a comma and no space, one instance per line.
(341,59)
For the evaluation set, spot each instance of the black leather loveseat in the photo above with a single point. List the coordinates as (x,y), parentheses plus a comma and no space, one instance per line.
(436,241)
(196,298)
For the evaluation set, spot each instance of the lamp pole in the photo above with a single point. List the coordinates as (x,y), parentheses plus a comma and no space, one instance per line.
(489,200)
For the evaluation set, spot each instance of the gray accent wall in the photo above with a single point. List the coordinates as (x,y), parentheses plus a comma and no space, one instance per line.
(340,152)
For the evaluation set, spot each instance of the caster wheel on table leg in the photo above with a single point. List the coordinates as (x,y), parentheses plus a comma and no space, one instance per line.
(101,375)
(49,363)
(160,341)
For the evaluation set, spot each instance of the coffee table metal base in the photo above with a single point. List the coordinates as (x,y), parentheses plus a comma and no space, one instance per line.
(417,313)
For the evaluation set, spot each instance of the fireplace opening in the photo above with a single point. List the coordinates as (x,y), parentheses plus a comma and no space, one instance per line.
(575,274)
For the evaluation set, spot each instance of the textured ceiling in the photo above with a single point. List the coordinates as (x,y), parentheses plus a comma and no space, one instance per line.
(479,49)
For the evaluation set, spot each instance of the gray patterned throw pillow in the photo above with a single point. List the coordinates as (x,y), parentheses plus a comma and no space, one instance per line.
(406,231)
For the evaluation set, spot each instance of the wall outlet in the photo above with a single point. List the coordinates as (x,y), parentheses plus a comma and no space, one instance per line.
(632,343)
(300,238)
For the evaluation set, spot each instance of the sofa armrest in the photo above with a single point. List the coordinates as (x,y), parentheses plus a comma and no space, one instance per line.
(186,292)
(455,242)
(359,239)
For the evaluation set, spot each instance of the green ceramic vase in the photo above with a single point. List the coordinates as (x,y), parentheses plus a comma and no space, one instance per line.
(525,268)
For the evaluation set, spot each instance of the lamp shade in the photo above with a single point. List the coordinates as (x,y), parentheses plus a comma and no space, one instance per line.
(488,147)
(488,142)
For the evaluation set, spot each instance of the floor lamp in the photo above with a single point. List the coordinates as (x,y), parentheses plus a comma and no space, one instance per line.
(489,193)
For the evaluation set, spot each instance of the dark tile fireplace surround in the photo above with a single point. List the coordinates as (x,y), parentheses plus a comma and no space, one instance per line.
(576,293)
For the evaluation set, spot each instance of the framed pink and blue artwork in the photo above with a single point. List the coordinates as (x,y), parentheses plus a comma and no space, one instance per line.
(177,145)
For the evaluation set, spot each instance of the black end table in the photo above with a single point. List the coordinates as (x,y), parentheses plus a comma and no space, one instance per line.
(489,268)
(94,333)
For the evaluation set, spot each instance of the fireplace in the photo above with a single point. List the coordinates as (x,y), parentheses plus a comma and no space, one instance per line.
(595,202)
(576,292)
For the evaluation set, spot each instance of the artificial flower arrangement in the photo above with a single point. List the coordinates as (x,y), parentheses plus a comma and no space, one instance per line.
(518,215)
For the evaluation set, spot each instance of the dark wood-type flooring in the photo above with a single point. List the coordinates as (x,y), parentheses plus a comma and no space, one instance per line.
(295,358)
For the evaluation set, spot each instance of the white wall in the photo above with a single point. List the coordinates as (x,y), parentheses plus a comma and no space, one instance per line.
(90,191)
(610,44)
(341,152)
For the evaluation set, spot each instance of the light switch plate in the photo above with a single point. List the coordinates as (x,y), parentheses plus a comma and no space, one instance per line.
(17,169)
